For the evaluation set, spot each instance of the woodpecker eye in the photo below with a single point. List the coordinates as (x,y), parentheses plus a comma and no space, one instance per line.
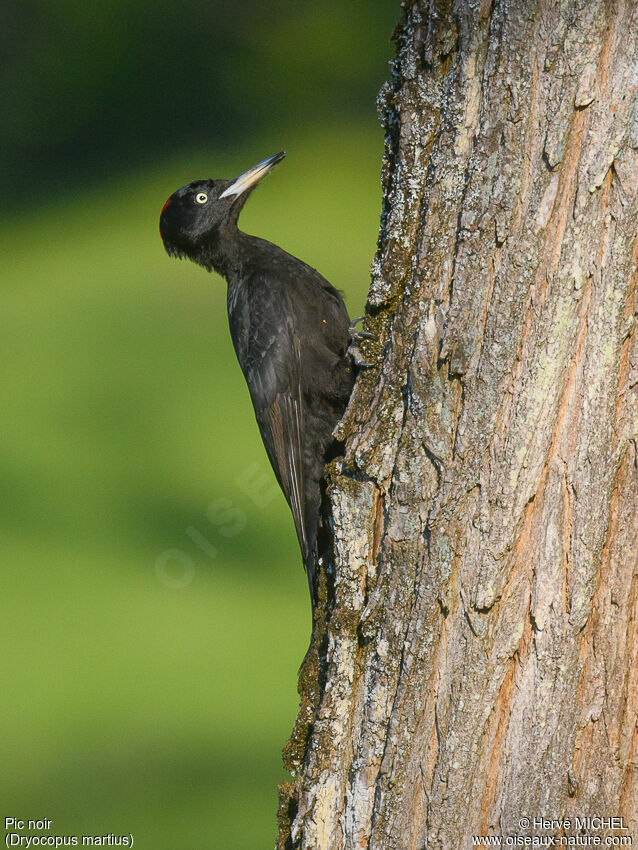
(201,197)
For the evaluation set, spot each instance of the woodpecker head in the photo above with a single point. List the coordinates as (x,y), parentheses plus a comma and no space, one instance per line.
(195,218)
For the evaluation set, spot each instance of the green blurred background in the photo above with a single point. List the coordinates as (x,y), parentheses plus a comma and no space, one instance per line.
(154,608)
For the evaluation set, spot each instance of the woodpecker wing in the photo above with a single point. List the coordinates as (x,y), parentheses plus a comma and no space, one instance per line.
(282,430)
(269,352)
(290,331)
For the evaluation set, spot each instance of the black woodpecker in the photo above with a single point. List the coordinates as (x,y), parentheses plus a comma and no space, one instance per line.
(291,332)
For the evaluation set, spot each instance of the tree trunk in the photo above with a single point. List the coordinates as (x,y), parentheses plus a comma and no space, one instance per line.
(478,638)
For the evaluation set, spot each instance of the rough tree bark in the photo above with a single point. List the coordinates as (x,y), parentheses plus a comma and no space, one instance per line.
(478,655)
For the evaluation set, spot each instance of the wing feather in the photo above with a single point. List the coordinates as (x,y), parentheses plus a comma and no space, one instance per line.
(285,420)
(281,422)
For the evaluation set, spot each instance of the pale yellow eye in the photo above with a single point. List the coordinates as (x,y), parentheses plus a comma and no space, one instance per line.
(201,198)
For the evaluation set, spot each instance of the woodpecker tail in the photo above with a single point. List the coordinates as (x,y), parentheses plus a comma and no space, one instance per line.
(311,566)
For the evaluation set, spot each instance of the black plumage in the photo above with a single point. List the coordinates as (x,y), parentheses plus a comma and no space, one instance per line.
(291,332)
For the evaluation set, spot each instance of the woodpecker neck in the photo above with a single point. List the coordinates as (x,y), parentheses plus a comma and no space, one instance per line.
(222,251)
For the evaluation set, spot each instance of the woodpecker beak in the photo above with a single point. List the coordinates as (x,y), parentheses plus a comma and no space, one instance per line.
(251,177)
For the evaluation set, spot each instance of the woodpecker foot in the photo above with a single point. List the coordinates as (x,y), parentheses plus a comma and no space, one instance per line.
(357,357)
(356,335)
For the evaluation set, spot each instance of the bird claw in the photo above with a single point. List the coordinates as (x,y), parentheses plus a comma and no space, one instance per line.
(355,335)
(357,358)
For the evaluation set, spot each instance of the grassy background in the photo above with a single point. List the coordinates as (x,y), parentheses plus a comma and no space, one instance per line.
(154,607)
